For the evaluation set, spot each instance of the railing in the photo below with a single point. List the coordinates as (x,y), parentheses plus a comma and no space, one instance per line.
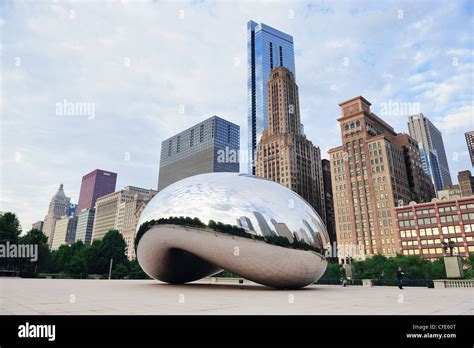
(379,282)
(339,281)
(9,273)
(453,283)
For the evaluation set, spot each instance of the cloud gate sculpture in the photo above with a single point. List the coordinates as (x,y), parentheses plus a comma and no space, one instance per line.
(250,226)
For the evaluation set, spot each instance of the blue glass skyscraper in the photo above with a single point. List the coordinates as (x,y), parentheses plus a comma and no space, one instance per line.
(433,154)
(267,48)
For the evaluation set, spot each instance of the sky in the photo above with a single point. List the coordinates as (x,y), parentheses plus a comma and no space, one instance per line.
(137,72)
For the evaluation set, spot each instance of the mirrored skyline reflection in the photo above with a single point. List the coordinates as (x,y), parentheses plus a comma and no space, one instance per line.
(228,197)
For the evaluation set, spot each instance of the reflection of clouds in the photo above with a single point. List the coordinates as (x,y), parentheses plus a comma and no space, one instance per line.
(225,197)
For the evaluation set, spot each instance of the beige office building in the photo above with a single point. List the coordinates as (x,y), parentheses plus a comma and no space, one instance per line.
(111,210)
(64,231)
(284,154)
(129,214)
(369,179)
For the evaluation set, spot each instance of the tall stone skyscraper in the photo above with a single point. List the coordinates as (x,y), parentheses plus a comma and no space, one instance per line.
(58,207)
(267,48)
(284,154)
(432,150)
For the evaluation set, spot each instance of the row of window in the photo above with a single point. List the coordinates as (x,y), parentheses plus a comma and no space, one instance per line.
(434,221)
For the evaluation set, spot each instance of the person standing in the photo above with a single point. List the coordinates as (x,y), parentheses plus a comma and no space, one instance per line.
(400,275)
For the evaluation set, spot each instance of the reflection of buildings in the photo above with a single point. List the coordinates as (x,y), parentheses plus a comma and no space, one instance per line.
(369,178)
(430,140)
(64,231)
(267,48)
(58,207)
(470,145)
(284,231)
(302,235)
(423,227)
(210,146)
(221,200)
(246,224)
(85,224)
(262,223)
(284,154)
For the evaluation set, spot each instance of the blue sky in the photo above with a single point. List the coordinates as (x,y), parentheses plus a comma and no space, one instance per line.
(152,69)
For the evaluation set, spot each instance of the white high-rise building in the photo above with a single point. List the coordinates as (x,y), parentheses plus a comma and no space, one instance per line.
(58,207)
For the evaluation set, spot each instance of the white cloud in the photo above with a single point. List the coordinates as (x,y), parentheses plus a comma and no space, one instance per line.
(138,62)
(459,119)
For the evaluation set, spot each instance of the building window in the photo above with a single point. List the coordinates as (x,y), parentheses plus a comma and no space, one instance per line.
(201,133)
(271,56)
(178,144)
(170,145)
(191,138)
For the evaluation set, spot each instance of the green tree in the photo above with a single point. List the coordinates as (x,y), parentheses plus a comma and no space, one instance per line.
(469,266)
(112,246)
(9,228)
(91,256)
(370,268)
(334,270)
(42,264)
(120,271)
(60,258)
(77,267)
(136,271)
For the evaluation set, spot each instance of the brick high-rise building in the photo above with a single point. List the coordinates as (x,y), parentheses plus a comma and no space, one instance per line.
(369,178)
(421,187)
(95,184)
(424,227)
(284,154)
(466,183)
(470,145)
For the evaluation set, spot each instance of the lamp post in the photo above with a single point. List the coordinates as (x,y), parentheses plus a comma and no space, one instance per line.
(110,268)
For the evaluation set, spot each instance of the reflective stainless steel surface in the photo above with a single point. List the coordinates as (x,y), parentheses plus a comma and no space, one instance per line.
(256,228)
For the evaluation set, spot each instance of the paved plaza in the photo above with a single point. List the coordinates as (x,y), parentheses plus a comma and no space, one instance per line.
(68,296)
